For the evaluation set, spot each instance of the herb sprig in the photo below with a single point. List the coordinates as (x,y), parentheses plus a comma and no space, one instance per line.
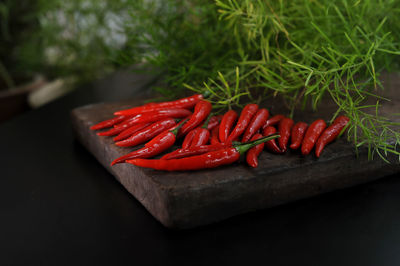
(302,50)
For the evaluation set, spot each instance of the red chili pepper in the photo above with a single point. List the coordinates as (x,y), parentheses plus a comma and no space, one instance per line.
(311,136)
(202,134)
(284,127)
(201,137)
(185,103)
(147,133)
(226,125)
(119,128)
(111,132)
(244,120)
(331,133)
(201,111)
(298,131)
(191,151)
(109,122)
(214,121)
(212,159)
(252,154)
(214,135)
(160,143)
(273,120)
(130,131)
(271,144)
(155,116)
(189,138)
(256,123)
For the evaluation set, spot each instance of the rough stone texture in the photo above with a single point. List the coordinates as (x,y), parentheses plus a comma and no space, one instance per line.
(188,199)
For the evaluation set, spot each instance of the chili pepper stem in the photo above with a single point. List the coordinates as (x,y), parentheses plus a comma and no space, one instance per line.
(206,94)
(205,125)
(176,130)
(242,148)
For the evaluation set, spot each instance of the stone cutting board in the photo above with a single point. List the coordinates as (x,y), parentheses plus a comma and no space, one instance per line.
(189,199)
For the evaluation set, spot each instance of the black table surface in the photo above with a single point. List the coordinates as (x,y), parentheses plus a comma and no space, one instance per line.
(59,206)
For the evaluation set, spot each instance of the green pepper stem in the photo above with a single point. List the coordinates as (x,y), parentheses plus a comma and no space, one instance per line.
(175,130)
(206,94)
(205,125)
(242,148)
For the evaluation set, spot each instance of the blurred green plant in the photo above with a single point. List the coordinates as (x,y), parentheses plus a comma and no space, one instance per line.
(76,38)
(301,50)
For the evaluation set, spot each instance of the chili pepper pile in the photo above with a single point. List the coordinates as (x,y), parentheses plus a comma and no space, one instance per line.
(209,140)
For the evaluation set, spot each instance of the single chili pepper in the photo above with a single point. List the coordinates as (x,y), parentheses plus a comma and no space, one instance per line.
(271,144)
(214,121)
(191,151)
(245,117)
(185,103)
(331,133)
(126,133)
(311,136)
(212,159)
(256,123)
(189,138)
(155,116)
(201,111)
(284,128)
(119,128)
(111,132)
(202,134)
(201,137)
(252,154)
(226,125)
(298,131)
(273,120)
(147,133)
(214,135)
(160,143)
(109,122)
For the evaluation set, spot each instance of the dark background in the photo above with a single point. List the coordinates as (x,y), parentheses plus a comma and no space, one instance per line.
(59,206)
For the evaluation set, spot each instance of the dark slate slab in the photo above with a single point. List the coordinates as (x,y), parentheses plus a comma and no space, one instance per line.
(188,199)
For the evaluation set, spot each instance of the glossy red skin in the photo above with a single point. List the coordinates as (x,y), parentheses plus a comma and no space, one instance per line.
(271,144)
(298,132)
(187,141)
(311,136)
(273,121)
(215,135)
(253,153)
(111,132)
(226,125)
(331,133)
(181,153)
(109,122)
(185,103)
(214,121)
(154,147)
(126,133)
(201,137)
(256,123)
(244,120)
(155,116)
(201,111)
(147,133)
(212,159)
(284,128)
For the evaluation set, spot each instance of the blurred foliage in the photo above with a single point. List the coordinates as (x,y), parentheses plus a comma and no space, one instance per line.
(75,38)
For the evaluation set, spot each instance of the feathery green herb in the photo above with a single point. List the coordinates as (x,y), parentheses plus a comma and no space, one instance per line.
(303,50)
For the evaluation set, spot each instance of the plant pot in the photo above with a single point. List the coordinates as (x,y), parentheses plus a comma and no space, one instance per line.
(15,101)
